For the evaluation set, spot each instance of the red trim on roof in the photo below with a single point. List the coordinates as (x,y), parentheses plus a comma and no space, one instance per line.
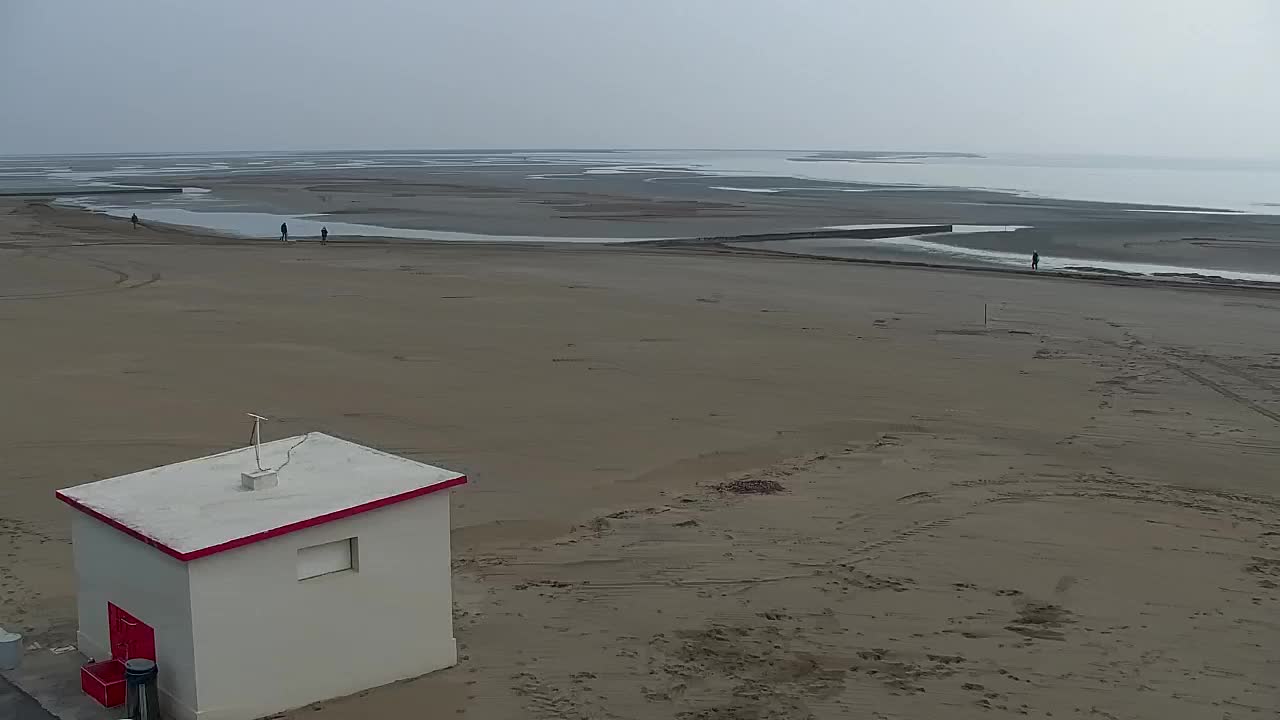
(265,534)
(118,525)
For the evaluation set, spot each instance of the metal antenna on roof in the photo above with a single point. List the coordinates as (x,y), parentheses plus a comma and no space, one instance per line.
(257,438)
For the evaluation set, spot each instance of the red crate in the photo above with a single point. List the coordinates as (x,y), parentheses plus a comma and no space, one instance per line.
(104,682)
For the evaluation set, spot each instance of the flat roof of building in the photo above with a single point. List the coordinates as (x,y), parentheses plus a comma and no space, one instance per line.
(197,508)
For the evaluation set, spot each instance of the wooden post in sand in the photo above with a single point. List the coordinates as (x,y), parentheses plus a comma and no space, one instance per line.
(984,315)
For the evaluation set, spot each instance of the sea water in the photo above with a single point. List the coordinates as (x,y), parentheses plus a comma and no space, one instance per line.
(1245,186)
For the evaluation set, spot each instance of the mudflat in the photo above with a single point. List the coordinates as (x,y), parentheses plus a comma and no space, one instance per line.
(705,485)
(502,195)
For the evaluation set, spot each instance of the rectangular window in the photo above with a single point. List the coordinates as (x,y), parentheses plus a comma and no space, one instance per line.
(333,557)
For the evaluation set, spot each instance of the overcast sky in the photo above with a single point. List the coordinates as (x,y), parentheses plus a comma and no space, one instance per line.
(1159,77)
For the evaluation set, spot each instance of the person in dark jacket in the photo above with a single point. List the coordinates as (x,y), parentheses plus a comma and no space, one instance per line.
(284,232)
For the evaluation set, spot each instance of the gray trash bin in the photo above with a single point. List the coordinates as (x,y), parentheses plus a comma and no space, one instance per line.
(10,650)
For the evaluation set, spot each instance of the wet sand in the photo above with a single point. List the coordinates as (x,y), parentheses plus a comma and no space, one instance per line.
(561,201)
(1069,510)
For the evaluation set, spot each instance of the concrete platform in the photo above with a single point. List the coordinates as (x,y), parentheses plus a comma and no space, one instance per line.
(47,685)
(18,705)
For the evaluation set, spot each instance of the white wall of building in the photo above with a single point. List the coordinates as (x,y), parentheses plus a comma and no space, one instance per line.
(266,641)
(146,583)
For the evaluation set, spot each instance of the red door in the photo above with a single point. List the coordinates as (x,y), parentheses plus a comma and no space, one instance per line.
(130,637)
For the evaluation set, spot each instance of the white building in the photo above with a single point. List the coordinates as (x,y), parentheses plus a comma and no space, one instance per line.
(331,577)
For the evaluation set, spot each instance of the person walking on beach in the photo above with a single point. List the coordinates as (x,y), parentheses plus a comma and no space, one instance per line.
(134,220)
(284,232)
(1035,261)
(324,234)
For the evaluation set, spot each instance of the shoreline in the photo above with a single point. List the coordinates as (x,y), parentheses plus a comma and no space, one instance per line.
(566,197)
(721,244)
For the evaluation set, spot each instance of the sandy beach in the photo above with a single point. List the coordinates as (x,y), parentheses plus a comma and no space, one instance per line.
(705,485)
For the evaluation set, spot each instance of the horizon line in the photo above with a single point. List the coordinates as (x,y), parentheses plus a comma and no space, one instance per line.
(625,149)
